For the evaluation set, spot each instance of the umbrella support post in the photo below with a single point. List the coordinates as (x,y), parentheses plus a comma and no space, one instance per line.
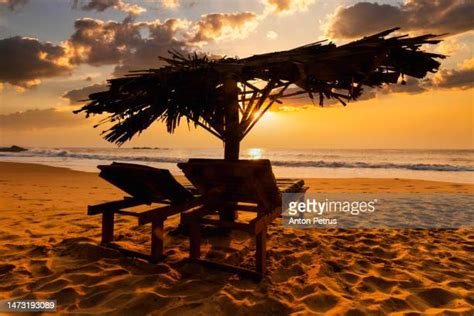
(232,135)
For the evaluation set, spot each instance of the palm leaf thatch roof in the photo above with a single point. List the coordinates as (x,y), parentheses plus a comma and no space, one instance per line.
(195,87)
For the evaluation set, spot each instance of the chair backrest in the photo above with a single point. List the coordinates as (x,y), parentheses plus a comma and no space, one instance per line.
(144,182)
(224,181)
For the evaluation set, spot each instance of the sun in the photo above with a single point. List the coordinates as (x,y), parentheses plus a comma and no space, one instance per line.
(255,153)
(268,117)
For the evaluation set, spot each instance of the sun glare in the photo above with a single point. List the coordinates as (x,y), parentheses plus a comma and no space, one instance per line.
(255,153)
(268,117)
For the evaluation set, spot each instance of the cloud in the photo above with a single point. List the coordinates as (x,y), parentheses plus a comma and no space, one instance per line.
(25,61)
(126,44)
(272,35)
(170,4)
(462,78)
(102,5)
(413,15)
(450,46)
(222,26)
(97,42)
(13,5)
(77,95)
(286,7)
(39,119)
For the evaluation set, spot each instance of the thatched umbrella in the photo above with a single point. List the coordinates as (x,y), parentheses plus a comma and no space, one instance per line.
(228,96)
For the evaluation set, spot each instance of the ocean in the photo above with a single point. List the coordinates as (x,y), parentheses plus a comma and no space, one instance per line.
(439,165)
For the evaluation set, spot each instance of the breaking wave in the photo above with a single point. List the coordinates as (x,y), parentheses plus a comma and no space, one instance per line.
(276,162)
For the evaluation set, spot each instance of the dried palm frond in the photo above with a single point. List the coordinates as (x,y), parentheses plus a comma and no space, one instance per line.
(192,87)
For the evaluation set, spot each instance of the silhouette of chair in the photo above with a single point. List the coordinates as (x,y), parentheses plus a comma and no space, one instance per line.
(145,185)
(228,186)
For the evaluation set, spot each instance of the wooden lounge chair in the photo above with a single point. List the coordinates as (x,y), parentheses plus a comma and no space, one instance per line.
(145,185)
(243,185)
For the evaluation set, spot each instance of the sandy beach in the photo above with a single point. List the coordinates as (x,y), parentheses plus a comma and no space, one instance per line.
(49,249)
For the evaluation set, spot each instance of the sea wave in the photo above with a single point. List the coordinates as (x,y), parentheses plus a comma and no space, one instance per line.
(62,153)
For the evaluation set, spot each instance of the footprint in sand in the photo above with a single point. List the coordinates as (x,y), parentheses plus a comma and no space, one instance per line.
(39,267)
(65,296)
(437,297)
(321,302)
(5,268)
(54,285)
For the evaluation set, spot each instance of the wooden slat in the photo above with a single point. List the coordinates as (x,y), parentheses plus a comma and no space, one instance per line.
(164,212)
(194,214)
(107,226)
(246,208)
(194,240)
(263,221)
(126,213)
(114,205)
(246,227)
(261,251)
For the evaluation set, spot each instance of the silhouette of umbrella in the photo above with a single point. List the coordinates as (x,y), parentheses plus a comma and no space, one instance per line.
(228,96)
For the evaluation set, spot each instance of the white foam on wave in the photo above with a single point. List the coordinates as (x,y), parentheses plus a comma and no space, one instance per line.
(62,153)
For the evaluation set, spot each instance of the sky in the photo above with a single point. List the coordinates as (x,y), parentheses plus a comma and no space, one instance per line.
(53,53)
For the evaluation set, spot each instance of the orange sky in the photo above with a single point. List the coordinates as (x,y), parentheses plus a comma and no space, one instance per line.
(440,117)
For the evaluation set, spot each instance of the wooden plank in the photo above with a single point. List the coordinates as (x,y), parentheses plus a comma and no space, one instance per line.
(246,227)
(247,208)
(261,251)
(107,226)
(194,214)
(114,205)
(164,212)
(234,181)
(157,243)
(126,213)
(194,240)
(261,222)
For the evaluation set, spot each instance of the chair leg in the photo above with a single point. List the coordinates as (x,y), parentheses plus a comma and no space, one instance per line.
(228,213)
(157,239)
(194,240)
(107,227)
(261,251)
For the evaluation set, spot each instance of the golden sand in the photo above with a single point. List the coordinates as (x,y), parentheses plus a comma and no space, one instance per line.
(49,249)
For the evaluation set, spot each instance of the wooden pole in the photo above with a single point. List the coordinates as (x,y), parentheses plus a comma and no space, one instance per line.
(107,226)
(231,136)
